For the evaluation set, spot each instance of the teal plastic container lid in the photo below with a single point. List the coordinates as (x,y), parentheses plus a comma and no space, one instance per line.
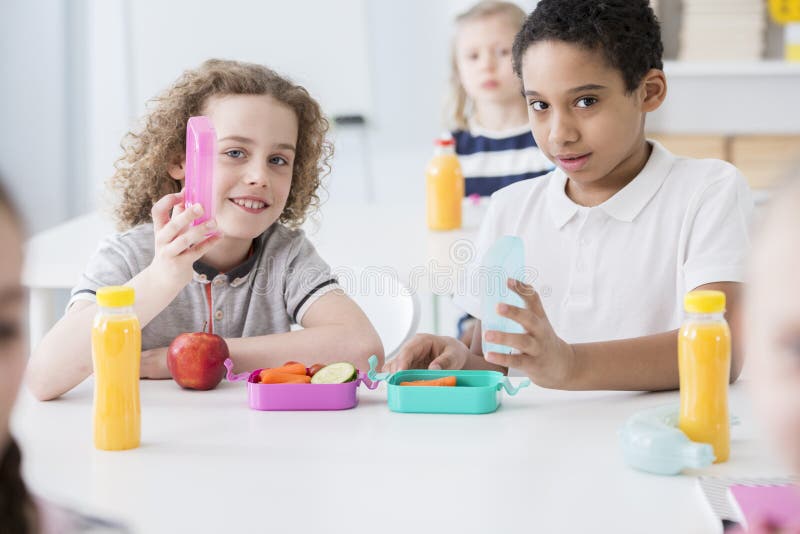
(476,392)
(505,259)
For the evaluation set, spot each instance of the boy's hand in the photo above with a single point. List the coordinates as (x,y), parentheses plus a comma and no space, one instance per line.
(546,358)
(426,351)
(154,364)
(178,244)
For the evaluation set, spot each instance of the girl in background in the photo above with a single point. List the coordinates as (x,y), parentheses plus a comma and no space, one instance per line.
(487,111)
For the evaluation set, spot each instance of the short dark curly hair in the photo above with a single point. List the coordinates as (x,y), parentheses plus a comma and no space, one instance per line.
(627,32)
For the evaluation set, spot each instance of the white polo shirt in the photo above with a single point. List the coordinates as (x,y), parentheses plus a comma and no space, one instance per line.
(620,269)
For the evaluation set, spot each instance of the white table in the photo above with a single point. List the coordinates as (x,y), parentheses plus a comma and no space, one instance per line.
(390,238)
(546,461)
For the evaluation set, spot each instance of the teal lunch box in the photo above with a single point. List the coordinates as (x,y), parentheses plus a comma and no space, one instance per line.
(475,392)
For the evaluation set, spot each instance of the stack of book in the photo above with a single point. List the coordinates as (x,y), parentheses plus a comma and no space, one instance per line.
(722,30)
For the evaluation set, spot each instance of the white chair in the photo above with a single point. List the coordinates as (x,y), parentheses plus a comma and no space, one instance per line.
(391,306)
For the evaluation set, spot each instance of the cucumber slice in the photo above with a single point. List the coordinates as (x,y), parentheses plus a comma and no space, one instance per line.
(335,373)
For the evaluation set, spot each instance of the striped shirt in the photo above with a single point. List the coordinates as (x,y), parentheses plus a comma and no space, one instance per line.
(493,160)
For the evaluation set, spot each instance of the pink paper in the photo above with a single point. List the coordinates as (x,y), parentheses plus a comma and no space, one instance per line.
(779,506)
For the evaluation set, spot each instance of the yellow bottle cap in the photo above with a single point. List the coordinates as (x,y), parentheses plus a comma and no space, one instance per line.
(785,11)
(704,301)
(115,296)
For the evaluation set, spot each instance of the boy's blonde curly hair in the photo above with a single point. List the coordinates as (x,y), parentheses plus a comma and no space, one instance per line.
(141,176)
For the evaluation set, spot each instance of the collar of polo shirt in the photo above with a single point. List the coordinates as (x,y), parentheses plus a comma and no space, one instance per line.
(627,203)
(206,273)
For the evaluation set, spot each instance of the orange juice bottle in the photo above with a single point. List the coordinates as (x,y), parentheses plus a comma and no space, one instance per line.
(704,363)
(444,186)
(116,353)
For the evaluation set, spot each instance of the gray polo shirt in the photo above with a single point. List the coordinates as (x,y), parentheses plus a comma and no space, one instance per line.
(272,289)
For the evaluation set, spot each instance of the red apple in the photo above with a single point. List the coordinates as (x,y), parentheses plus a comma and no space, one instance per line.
(196,360)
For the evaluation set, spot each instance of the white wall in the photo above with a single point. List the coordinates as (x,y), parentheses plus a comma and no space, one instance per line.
(321,45)
(33,153)
(110,108)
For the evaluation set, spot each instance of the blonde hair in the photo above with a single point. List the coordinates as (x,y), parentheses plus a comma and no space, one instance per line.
(142,176)
(456,114)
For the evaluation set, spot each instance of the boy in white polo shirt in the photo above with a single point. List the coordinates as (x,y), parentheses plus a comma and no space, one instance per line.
(619,232)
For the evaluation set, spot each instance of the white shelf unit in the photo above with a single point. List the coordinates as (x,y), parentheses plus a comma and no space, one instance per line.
(767,67)
(729,98)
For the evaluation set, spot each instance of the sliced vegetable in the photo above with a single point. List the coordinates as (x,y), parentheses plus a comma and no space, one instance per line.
(335,373)
(275,376)
(314,369)
(447,381)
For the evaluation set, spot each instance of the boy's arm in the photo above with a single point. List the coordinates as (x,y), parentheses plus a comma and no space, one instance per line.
(63,359)
(647,363)
(428,351)
(334,329)
(644,363)
(475,359)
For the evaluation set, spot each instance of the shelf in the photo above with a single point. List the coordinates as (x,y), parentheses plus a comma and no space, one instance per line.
(767,67)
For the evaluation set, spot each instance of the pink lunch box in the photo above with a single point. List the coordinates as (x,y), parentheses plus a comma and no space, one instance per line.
(299,396)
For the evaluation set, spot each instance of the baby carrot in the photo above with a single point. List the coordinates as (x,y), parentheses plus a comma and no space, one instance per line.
(448,381)
(293,368)
(274,376)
